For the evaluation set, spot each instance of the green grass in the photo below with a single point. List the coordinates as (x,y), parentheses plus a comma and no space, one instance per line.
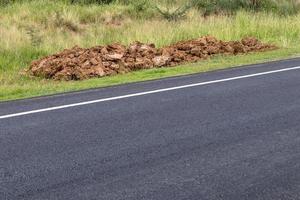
(34,29)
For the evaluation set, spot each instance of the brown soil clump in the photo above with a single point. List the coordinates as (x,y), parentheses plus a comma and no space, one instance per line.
(80,63)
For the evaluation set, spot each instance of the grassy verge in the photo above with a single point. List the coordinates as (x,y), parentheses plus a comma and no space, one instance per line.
(31,87)
(36,28)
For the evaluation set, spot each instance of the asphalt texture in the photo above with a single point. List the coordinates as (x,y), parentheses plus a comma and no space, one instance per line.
(233,140)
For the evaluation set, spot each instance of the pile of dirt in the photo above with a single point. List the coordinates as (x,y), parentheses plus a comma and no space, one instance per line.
(82,63)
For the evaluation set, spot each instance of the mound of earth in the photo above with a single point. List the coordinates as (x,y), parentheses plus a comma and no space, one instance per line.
(83,63)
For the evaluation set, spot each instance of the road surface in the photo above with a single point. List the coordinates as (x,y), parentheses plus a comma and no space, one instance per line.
(230,134)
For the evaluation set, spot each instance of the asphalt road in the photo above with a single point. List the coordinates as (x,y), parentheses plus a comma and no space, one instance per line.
(236,139)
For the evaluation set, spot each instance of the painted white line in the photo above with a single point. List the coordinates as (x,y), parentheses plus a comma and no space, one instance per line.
(145,93)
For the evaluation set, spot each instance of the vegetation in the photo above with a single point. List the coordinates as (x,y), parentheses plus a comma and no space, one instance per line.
(30,29)
(282,7)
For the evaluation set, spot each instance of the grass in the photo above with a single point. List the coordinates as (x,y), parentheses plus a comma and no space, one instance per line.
(34,29)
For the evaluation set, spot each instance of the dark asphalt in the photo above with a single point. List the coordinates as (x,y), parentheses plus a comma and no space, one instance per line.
(234,140)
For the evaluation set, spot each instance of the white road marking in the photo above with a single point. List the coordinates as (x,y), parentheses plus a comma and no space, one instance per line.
(145,93)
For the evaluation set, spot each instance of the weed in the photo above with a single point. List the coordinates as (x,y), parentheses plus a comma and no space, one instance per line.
(61,22)
(34,35)
(176,14)
(141,6)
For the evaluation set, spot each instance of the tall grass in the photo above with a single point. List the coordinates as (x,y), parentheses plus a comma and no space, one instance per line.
(94,25)
(99,25)
(281,7)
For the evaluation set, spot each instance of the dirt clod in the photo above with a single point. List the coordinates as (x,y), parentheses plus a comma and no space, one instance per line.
(83,63)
